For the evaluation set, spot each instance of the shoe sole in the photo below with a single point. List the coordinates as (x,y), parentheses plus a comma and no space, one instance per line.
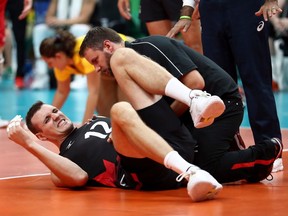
(278,169)
(207,189)
(212,110)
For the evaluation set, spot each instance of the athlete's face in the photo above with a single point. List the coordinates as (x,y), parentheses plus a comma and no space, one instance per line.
(51,123)
(59,61)
(100,60)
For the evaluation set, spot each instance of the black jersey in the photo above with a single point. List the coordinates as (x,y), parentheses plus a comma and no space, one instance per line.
(87,146)
(179,59)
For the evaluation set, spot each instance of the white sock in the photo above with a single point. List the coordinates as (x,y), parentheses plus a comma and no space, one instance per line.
(177,90)
(176,163)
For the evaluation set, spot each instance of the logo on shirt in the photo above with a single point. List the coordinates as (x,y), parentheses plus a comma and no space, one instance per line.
(70,144)
(122,183)
(260,26)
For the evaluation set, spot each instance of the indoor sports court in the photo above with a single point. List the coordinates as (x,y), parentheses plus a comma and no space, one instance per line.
(26,189)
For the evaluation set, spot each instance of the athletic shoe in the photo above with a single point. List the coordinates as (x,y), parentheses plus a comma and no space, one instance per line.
(201,185)
(237,143)
(278,165)
(269,151)
(205,108)
(19,82)
(279,147)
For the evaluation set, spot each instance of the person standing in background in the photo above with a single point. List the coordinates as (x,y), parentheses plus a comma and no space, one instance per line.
(279,41)
(159,17)
(26,9)
(235,36)
(14,8)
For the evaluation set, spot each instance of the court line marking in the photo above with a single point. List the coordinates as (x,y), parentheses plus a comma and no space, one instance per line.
(25,176)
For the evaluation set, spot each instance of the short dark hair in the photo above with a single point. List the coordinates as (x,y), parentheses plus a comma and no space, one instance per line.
(96,36)
(64,42)
(31,112)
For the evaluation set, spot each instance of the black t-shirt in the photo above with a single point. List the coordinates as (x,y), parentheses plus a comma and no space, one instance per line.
(179,59)
(87,146)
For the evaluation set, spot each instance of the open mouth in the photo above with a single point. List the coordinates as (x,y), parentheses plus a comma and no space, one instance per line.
(61,123)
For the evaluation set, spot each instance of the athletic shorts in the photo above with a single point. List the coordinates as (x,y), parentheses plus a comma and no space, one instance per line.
(149,174)
(155,10)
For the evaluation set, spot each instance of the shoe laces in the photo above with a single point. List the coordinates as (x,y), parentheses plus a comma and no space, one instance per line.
(185,174)
(199,93)
(269,177)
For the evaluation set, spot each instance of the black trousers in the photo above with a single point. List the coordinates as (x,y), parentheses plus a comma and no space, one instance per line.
(213,149)
(237,40)
(14,9)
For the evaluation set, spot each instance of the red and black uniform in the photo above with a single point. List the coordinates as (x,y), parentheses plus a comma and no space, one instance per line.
(88,147)
(213,142)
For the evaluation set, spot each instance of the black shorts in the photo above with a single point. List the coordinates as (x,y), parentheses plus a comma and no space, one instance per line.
(155,10)
(149,174)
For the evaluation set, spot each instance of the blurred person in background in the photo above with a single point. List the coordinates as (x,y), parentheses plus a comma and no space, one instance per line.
(73,16)
(160,16)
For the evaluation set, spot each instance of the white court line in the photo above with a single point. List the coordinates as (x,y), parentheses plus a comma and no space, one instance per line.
(24,176)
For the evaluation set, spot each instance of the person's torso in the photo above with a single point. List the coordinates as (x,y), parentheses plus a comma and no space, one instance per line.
(179,60)
(88,147)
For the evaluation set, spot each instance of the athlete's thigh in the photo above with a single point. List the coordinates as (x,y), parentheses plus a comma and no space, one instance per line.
(162,119)
(159,27)
(192,37)
(107,95)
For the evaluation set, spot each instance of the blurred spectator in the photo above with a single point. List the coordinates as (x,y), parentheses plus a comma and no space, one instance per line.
(159,17)
(73,16)
(13,9)
(21,15)
(7,53)
(279,47)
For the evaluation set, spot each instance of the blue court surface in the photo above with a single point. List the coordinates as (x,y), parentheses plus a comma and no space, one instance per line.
(16,102)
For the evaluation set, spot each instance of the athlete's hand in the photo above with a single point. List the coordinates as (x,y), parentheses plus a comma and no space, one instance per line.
(124,9)
(26,9)
(17,133)
(268,9)
(182,25)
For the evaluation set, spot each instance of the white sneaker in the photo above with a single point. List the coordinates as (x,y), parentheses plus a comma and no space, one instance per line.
(205,108)
(201,185)
(278,165)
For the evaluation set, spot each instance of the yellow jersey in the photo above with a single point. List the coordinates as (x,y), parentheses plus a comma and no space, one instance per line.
(80,65)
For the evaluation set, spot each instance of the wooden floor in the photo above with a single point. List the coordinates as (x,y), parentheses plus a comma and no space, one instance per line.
(26,189)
